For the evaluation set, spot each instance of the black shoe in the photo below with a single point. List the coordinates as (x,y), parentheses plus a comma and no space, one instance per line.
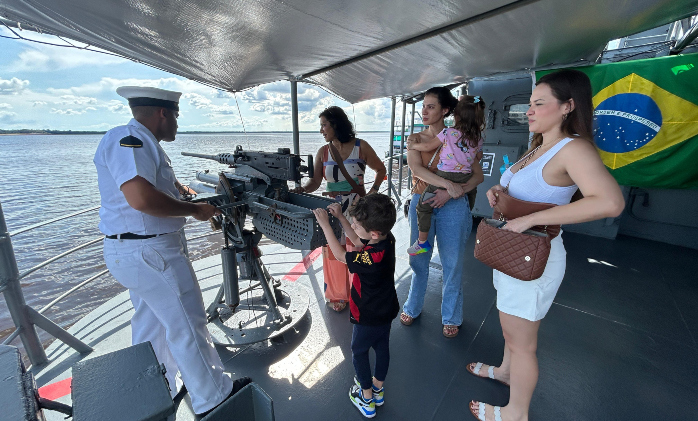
(237,385)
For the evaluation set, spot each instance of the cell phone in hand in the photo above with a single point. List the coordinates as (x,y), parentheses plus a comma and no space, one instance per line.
(427,195)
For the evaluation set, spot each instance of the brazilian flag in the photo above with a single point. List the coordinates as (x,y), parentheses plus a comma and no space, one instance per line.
(646,120)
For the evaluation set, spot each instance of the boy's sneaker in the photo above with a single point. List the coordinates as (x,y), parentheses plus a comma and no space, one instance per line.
(367,407)
(418,248)
(377,393)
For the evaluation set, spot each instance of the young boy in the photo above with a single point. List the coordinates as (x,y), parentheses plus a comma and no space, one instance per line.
(373,302)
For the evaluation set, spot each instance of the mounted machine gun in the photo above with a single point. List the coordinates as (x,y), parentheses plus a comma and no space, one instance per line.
(258,187)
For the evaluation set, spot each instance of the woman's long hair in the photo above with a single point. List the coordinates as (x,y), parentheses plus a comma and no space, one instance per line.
(470,120)
(444,97)
(571,84)
(343,129)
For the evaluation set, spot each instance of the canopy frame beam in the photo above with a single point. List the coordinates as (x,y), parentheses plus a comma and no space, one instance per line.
(429,34)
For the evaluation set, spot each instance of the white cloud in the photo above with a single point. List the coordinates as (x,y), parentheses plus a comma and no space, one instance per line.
(5,105)
(198,101)
(68,111)
(109,85)
(47,58)
(40,103)
(118,107)
(224,94)
(319,106)
(7,116)
(75,100)
(13,86)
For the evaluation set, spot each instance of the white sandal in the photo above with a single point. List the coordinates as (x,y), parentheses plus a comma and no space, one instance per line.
(490,372)
(481,411)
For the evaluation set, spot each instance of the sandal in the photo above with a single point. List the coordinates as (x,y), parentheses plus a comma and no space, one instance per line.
(450,331)
(405,319)
(480,414)
(337,306)
(474,369)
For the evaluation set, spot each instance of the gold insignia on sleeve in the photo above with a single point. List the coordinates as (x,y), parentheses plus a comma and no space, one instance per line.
(364,258)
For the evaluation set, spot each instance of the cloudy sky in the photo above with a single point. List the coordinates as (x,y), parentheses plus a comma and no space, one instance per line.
(47,87)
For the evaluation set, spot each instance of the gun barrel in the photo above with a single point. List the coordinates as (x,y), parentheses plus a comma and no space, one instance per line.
(207,177)
(200,155)
(200,187)
(223,158)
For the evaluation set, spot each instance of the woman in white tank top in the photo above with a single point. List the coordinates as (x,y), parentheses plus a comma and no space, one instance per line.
(562,158)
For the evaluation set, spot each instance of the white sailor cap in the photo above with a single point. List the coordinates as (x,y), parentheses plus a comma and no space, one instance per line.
(146,96)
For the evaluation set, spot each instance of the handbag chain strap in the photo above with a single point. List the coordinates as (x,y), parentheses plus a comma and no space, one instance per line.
(525,160)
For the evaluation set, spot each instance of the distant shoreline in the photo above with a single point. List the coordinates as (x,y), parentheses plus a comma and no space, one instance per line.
(72,132)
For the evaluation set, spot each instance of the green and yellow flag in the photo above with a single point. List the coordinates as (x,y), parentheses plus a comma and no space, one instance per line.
(646,120)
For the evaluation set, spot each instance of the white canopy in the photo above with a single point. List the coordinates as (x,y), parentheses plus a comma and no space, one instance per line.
(358,49)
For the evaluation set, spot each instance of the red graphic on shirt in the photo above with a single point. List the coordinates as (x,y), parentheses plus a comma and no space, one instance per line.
(356,283)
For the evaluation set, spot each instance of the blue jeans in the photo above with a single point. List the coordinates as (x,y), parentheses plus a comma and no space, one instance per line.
(451,224)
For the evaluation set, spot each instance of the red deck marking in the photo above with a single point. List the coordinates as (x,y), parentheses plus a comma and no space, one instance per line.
(303,266)
(56,390)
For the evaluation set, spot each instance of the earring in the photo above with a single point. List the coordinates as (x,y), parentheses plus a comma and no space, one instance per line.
(564,116)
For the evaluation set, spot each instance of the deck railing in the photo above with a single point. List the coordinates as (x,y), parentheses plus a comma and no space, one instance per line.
(25,318)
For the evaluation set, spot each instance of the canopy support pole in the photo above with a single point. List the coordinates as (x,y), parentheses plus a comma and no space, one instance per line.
(392,136)
(294,119)
(402,148)
(409,171)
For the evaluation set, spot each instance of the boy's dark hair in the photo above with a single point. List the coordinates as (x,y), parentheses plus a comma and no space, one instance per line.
(375,212)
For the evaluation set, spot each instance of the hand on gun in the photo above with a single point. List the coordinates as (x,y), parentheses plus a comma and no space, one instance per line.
(323,219)
(336,210)
(204,211)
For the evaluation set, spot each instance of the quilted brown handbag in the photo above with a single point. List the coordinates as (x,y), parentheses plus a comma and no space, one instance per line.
(520,255)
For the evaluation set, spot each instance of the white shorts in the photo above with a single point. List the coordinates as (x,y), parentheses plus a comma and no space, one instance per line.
(531,300)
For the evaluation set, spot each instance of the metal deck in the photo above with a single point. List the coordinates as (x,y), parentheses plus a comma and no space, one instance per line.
(618,344)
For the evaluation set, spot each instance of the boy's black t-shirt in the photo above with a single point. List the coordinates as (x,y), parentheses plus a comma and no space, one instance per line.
(373,298)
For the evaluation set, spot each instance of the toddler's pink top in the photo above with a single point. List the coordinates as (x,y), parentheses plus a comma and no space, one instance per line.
(456,156)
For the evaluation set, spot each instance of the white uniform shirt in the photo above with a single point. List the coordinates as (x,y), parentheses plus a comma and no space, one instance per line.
(123,153)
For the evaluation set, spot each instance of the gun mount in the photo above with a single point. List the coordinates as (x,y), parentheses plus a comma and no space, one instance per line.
(258,187)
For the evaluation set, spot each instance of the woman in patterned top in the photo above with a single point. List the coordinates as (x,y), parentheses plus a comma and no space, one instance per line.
(356,154)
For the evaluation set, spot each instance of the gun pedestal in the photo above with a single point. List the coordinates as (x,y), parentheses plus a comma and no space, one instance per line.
(250,305)
(267,310)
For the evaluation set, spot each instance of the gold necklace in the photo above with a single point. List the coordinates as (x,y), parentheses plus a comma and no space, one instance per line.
(533,152)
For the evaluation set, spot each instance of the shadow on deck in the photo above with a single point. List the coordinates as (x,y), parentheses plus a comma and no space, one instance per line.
(618,343)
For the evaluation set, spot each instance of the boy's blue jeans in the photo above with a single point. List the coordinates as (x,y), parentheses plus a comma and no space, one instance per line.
(364,338)
(451,224)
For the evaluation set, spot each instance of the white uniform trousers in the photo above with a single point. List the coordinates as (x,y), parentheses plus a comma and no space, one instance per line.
(170,313)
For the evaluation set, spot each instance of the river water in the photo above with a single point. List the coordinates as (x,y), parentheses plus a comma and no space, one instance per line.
(47,176)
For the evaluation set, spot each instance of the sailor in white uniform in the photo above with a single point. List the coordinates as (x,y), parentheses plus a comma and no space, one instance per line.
(142,217)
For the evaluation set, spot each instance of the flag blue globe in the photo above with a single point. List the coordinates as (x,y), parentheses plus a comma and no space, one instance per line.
(626,122)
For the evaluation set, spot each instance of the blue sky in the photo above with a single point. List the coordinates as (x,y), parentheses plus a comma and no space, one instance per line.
(58,88)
